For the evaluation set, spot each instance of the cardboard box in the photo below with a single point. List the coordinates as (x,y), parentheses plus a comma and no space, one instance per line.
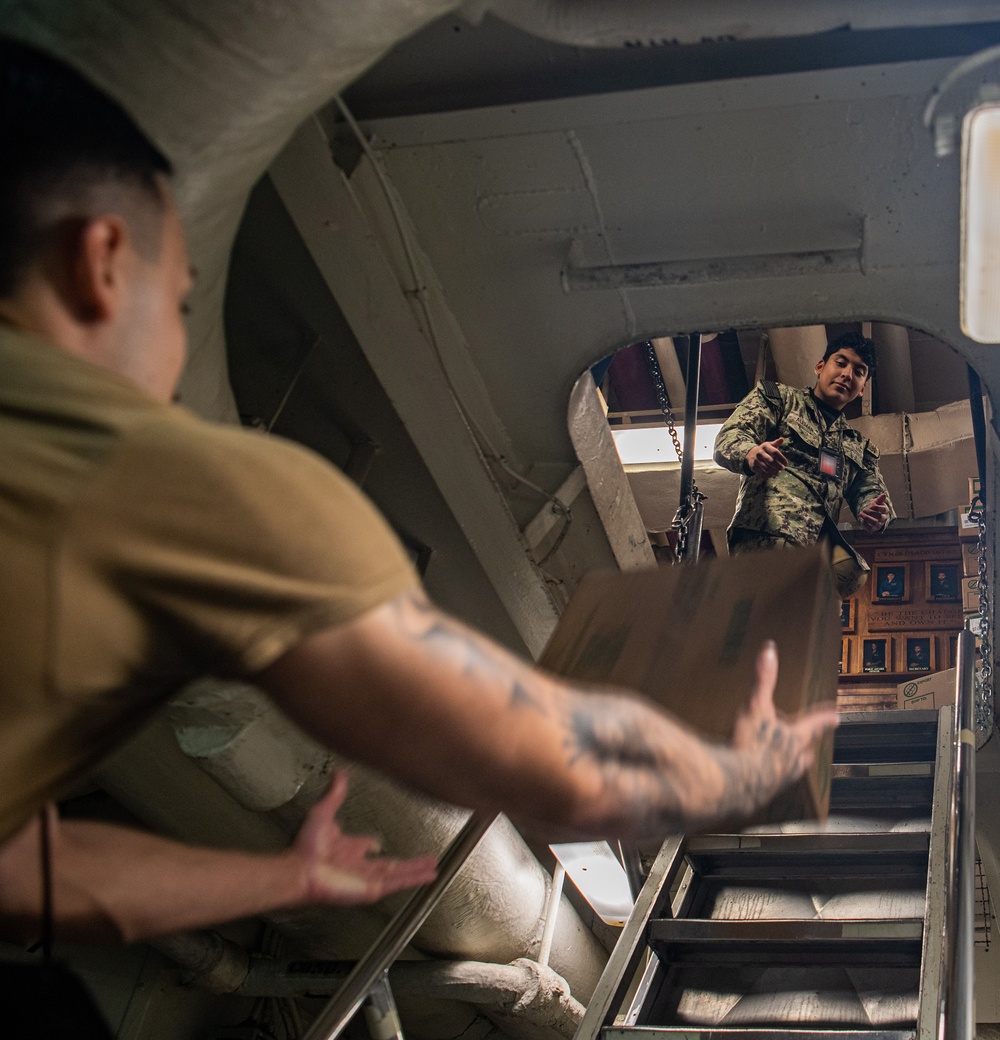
(970,559)
(970,595)
(926,467)
(929,692)
(687,637)
(967,530)
(973,487)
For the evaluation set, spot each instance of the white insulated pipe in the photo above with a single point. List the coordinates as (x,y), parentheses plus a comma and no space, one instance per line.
(220,86)
(619,23)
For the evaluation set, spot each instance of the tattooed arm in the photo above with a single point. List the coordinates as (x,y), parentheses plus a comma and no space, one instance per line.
(422,697)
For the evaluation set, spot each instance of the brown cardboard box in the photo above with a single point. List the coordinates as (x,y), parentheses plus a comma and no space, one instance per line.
(924,468)
(688,636)
(973,487)
(970,595)
(970,559)
(929,692)
(967,530)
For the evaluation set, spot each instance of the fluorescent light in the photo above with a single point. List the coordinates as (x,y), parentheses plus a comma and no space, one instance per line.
(601,879)
(653,444)
(980,278)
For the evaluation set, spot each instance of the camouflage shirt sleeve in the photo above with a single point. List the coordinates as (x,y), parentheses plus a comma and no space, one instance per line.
(754,420)
(867,484)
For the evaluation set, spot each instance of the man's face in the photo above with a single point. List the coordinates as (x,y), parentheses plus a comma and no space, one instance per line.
(840,378)
(153,335)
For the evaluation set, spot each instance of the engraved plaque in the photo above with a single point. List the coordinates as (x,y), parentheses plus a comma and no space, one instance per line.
(913,618)
(904,553)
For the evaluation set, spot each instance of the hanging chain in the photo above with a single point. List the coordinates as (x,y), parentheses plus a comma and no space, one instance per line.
(663,398)
(684,514)
(984,676)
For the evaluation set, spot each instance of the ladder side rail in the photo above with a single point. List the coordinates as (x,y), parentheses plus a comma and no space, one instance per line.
(933,954)
(959,1017)
(395,937)
(632,943)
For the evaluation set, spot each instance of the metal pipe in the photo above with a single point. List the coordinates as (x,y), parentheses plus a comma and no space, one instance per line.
(692,381)
(380,1012)
(628,853)
(695,525)
(551,910)
(592,23)
(959,1016)
(398,933)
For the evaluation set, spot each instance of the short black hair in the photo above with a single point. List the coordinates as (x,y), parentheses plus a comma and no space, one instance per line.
(60,136)
(861,345)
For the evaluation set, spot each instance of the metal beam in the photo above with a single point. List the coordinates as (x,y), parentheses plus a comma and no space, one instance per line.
(349,252)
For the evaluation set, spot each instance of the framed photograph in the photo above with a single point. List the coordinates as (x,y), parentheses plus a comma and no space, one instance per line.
(919,654)
(892,583)
(943,583)
(848,615)
(844,665)
(876,655)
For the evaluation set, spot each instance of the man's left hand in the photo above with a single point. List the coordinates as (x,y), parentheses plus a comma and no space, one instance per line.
(875,515)
(345,869)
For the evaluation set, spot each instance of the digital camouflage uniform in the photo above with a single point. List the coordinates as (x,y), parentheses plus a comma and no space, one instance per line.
(801,503)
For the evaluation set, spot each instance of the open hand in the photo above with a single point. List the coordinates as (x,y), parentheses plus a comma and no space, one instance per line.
(345,869)
(776,753)
(767,459)
(875,515)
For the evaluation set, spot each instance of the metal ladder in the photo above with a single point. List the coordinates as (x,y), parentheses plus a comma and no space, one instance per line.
(862,929)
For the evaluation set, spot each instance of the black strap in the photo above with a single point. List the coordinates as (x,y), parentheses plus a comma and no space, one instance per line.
(978,427)
(46,885)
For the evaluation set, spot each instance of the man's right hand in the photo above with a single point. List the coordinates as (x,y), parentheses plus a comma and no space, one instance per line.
(773,752)
(767,459)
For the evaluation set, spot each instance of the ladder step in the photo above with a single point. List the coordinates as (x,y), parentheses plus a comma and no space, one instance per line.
(850,942)
(878,736)
(762,857)
(824,842)
(737,1033)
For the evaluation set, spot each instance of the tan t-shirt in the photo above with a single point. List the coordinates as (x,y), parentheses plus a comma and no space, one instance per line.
(141,546)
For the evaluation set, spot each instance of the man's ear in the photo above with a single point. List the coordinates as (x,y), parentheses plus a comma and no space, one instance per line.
(819,366)
(98,268)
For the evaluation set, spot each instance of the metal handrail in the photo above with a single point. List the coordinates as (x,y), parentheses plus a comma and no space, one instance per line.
(958,1005)
(370,970)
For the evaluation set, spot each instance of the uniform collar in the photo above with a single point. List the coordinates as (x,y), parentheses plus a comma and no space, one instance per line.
(838,422)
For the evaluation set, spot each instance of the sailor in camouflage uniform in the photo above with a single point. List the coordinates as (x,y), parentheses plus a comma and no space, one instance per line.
(800,460)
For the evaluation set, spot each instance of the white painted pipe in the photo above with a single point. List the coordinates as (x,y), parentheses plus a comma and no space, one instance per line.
(598,23)
(551,913)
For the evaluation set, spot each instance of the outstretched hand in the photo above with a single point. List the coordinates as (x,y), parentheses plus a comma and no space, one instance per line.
(776,753)
(345,869)
(875,515)
(767,459)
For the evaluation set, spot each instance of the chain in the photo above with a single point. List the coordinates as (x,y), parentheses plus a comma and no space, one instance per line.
(683,515)
(984,677)
(663,397)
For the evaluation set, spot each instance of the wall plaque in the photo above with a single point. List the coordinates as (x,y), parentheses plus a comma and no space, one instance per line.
(915,552)
(912,618)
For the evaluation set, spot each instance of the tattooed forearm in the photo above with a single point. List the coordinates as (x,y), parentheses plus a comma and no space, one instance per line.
(474,656)
(595,761)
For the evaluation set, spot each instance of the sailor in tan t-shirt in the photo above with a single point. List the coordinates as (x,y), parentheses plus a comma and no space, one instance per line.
(140,546)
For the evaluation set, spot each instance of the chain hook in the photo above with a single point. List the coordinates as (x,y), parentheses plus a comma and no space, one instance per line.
(686,510)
